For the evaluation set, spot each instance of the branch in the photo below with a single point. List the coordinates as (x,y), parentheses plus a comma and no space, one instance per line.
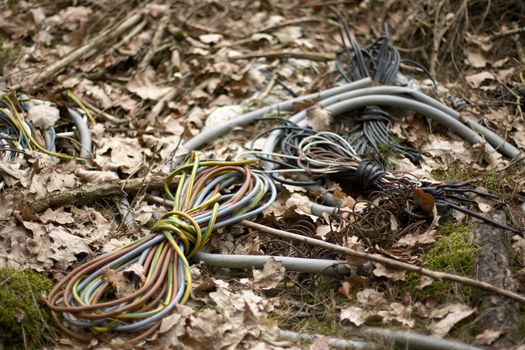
(437,275)
(507,33)
(157,38)
(312,56)
(88,49)
(91,192)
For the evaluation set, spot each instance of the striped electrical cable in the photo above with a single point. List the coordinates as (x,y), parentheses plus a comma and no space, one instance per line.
(209,195)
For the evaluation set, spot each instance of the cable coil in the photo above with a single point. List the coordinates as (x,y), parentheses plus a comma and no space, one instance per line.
(209,195)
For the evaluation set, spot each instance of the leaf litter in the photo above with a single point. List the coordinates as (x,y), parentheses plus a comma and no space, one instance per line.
(192,66)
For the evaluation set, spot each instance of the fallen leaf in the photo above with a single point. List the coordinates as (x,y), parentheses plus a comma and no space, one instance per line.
(43,116)
(345,289)
(488,336)
(424,200)
(475,80)
(123,286)
(319,119)
(269,277)
(450,315)
(476,59)
(370,297)
(143,84)
(382,271)
(210,39)
(353,314)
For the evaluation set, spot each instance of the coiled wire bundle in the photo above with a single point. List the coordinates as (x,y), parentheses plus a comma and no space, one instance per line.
(209,195)
(380,61)
(309,156)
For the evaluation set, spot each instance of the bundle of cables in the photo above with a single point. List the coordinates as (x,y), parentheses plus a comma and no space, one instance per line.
(19,136)
(326,154)
(381,62)
(209,195)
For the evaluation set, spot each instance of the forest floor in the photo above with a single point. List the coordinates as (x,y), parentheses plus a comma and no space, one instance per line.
(153,74)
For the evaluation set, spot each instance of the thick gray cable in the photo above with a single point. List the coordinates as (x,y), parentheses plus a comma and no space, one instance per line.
(403,340)
(335,343)
(213,133)
(317,266)
(83,131)
(410,340)
(494,139)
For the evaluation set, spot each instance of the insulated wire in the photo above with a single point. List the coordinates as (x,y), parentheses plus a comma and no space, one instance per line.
(209,195)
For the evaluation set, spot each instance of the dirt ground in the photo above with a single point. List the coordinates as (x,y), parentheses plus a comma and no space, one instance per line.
(153,74)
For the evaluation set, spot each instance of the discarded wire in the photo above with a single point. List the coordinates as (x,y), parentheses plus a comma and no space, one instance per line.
(330,155)
(132,288)
(380,61)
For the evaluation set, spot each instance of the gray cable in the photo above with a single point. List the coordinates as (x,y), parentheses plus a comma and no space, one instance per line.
(336,343)
(410,340)
(403,340)
(213,133)
(83,131)
(317,266)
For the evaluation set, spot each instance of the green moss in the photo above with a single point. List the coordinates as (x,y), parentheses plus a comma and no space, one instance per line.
(20,313)
(454,252)
(454,173)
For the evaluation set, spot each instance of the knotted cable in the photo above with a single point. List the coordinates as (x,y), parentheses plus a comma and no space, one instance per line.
(134,287)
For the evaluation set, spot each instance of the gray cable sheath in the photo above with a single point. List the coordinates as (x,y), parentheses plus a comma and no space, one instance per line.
(213,133)
(318,266)
(403,340)
(83,131)
(336,343)
(410,340)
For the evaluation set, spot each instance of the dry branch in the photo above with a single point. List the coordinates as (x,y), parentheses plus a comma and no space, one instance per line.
(312,56)
(437,275)
(88,48)
(157,38)
(91,192)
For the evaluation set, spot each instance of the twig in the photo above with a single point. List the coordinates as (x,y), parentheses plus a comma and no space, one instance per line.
(105,115)
(157,38)
(292,22)
(505,33)
(91,192)
(159,106)
(312,56)
(437,275)
(88,49)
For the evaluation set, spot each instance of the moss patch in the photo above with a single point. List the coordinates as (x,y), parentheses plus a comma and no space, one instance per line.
(20,313)
(454,252)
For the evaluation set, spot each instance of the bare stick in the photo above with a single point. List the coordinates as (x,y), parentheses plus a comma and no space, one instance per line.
(312,56)
(88,48)
(91,192)
(437,275)
(505,33)
(157,38)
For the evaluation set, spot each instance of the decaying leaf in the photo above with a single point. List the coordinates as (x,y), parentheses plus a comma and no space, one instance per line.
(449,315)
(382,271)
(354,314)
(270,276)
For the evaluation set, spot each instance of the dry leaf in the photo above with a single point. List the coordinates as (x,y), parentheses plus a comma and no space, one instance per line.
(270,276)
(118,153)
(345,289)
(424,200)
(475,80)
(382,271)
(370,297)
(450,315)
(319,119)
(143,84)
(488,336)
(123,286)
(43,116)
(353,314)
